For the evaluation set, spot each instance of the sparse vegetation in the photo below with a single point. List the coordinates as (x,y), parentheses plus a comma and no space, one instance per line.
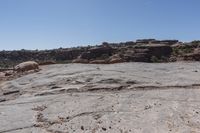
(182,50)
(196,42)
(155,59)
(130,51)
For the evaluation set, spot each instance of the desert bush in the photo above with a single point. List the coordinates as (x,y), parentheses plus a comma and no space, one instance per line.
(183,50)
(155,59)
(196,42)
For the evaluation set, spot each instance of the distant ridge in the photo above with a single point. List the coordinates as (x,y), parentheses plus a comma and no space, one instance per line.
(141,50)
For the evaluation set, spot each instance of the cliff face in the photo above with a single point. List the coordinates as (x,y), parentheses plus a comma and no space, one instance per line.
(146,50)
(9,58)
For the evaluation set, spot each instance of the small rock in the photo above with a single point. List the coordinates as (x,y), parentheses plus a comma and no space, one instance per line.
(103,128)
(82,127)
(148,107)
(8,73)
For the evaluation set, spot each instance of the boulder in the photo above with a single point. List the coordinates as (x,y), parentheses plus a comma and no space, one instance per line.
(8,73)
(115,59)
(79,60)
(26,66)
(99,62)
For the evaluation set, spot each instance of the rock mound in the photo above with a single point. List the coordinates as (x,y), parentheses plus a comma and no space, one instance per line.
(26,66)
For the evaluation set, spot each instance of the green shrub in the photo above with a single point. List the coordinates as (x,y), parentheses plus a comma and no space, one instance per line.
(155,59)
(183,50)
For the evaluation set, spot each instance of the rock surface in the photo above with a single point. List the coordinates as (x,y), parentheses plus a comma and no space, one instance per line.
(116,98)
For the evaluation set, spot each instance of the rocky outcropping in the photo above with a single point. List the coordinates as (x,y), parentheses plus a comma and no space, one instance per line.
(154,41)
(145,53)
(167,42)
(193,56)
(136,53)
(143,50)
(11,58)
(97,52)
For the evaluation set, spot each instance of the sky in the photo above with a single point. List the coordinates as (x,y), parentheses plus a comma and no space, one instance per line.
(47,24)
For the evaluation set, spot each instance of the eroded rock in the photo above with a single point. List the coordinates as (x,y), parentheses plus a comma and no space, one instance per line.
(26,66)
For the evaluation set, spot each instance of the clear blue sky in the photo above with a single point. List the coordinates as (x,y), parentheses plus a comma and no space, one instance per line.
(46,24)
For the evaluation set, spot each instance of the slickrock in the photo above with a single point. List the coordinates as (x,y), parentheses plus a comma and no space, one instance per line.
(113,98)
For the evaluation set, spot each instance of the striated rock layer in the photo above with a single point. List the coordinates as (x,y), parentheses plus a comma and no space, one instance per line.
(145,50)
